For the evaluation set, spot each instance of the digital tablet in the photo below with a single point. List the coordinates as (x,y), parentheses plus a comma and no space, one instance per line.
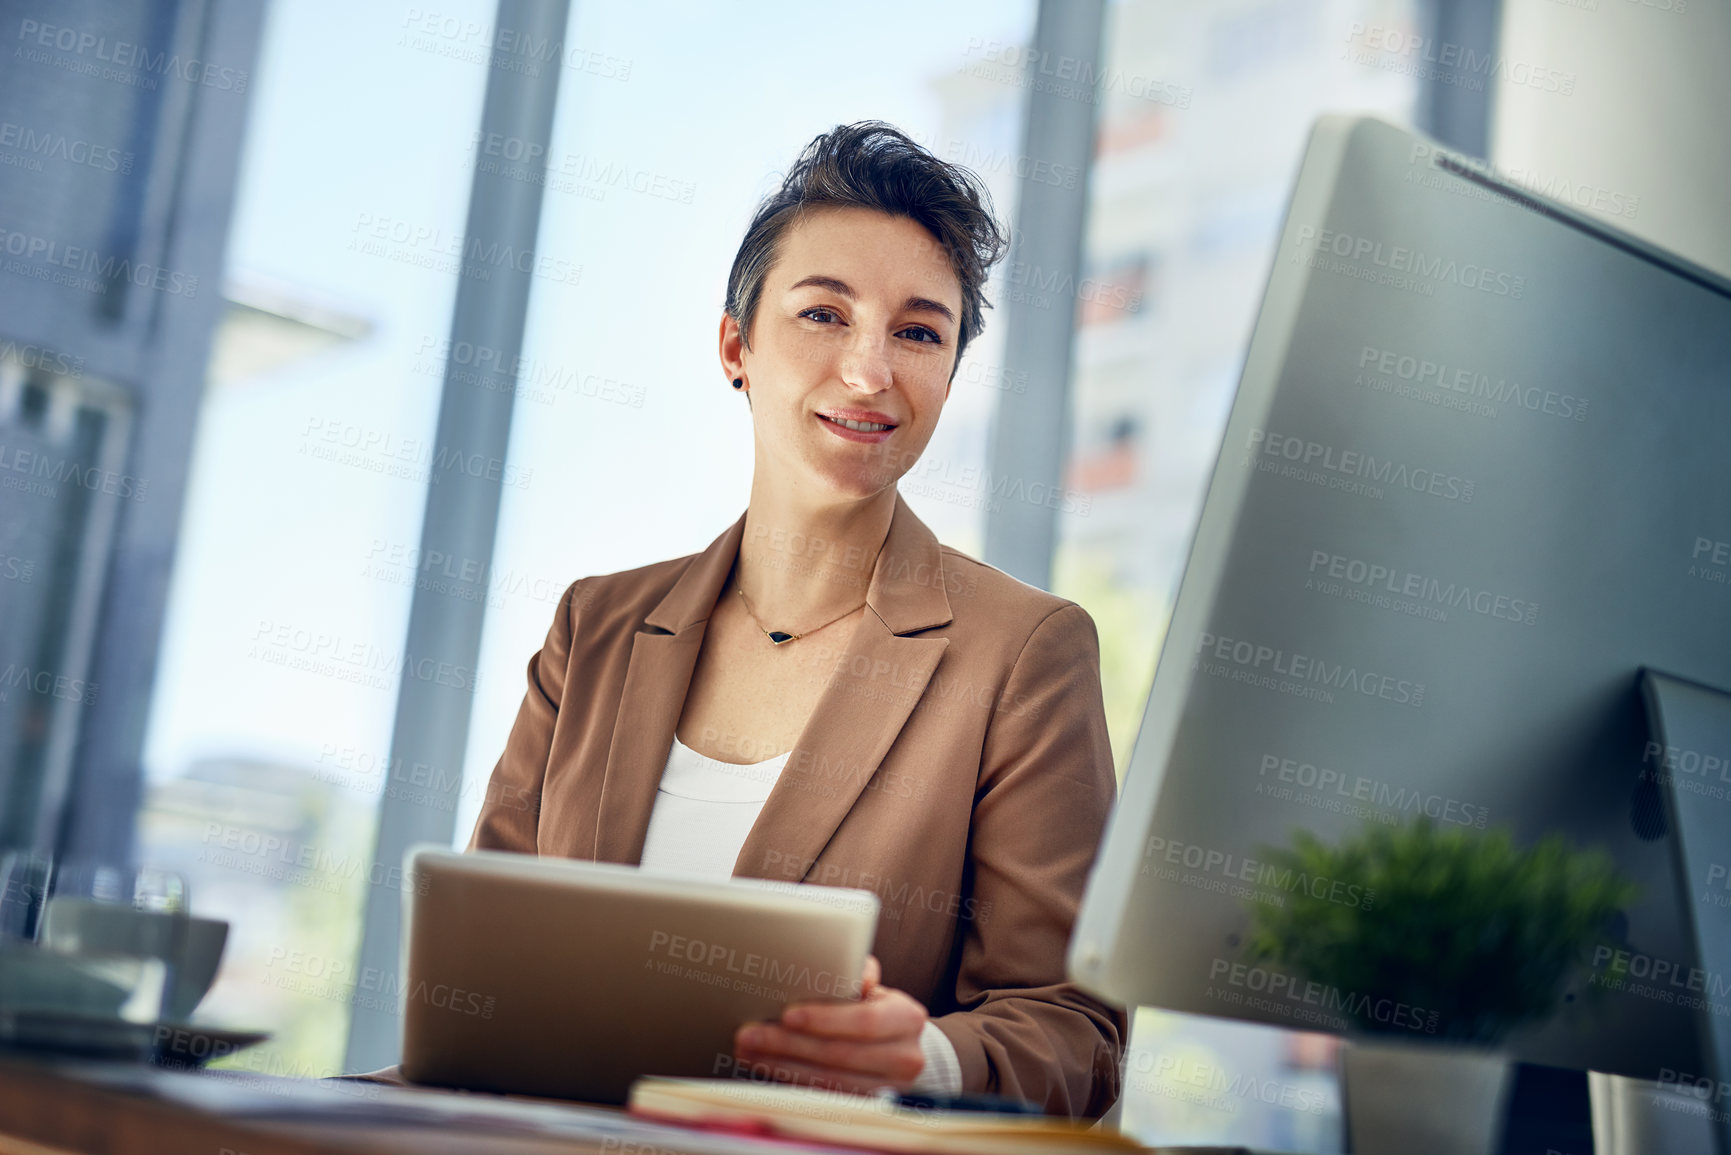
(548,976)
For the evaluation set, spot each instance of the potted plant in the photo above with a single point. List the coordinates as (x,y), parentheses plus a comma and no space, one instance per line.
(1465,938)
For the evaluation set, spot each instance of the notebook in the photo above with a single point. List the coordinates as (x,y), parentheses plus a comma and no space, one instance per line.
(878,1124)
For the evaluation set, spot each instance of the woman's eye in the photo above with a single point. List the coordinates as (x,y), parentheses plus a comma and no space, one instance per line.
(922,334)
(820,314)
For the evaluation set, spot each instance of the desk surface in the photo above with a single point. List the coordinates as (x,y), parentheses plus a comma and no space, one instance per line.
(58,1106)
(49,1106)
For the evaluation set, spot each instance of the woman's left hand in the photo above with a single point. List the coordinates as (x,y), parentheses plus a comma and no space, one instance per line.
(858,1046)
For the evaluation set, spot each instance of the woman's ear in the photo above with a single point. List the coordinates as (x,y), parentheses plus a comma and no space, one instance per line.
(733,348)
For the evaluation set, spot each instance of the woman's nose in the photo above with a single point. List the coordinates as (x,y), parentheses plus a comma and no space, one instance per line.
(865,365)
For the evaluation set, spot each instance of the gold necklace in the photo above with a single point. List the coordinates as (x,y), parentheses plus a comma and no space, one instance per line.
(782,637)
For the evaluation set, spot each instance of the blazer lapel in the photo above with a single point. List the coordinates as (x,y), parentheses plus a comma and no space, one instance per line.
(663,658)
(873,688)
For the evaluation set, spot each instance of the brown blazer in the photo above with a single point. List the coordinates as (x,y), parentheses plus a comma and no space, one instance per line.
(957,764)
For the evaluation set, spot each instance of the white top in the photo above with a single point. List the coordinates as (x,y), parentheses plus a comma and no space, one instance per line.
(704,809)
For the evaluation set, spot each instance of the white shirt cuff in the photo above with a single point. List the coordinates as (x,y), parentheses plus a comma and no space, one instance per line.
(942,1073)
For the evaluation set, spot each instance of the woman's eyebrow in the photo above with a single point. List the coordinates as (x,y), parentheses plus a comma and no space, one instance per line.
(818,281)
(927,305)
(842,289)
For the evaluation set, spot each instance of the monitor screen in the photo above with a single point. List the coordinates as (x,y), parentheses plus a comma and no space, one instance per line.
(1476,478)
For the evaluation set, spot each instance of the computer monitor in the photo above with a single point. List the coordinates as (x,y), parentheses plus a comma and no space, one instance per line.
(1475,481)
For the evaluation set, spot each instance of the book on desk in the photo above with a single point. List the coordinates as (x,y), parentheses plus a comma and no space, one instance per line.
(864,1121)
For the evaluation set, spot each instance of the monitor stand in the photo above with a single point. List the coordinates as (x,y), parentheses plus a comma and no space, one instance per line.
(1689,728)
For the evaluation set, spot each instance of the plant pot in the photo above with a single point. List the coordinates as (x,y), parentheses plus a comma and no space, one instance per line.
(1415,1099)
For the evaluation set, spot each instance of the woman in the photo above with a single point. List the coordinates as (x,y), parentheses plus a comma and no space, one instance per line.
(937,729)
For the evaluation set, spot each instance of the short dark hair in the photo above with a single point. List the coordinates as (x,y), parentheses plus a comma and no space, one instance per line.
(875,165)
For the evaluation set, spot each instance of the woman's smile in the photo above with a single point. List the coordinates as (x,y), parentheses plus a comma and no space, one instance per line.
(865,425)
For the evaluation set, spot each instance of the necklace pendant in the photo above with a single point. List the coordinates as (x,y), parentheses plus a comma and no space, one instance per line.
(780,636)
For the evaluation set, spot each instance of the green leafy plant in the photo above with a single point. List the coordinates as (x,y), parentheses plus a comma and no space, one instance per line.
(1464,924)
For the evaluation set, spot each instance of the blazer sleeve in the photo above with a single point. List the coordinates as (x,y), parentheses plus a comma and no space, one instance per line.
(1045,787)
(511,811)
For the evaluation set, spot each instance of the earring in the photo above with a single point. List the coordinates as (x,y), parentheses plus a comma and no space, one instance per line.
(739,382)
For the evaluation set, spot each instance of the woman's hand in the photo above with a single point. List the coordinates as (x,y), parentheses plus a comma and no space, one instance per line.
(857,1046)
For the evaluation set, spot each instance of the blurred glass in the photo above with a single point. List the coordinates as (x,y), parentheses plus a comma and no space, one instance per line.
(1186,198)
(1187,194)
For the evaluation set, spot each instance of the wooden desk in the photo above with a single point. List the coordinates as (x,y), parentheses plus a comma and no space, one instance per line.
(64,1106)
(50,1106)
